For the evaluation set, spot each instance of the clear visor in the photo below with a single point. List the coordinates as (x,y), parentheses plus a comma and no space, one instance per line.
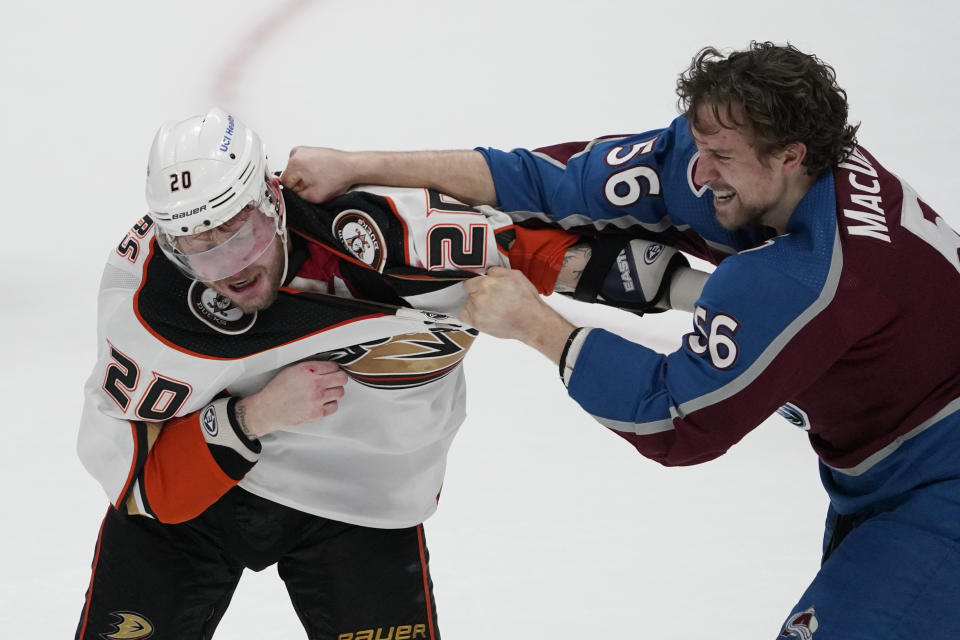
(226,250)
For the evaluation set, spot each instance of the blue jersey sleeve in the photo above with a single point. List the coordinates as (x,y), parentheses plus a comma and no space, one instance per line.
(641,184)
(762,331)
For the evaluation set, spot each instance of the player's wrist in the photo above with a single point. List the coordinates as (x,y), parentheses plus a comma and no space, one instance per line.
(547,332)
(371,167)
(241,415)
(235,452)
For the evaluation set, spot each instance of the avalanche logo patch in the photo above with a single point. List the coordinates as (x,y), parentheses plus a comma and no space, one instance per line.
(129,626)
(801,625)
(361,237)
(795,416)
(405,361)
(218,311)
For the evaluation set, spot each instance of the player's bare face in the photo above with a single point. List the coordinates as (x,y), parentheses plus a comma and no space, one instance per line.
(256,286)
(747,189)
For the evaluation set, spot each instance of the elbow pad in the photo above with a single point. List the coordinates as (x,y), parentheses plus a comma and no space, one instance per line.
(630,274)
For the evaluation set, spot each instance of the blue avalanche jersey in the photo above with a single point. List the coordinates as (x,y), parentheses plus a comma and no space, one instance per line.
(846,324)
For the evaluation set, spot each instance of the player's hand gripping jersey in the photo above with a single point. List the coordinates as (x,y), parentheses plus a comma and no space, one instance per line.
(847,323)
(168,346)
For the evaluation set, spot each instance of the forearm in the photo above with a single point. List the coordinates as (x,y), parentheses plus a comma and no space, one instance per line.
(574,262)
(685,288)
(683,285)
(462,174)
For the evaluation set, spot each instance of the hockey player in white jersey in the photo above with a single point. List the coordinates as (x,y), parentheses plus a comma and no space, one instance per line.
(231,318)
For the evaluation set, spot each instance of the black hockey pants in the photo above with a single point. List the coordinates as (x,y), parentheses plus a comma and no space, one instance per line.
(163,581)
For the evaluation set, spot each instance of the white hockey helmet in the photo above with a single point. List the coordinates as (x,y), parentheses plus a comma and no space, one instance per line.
(201,173)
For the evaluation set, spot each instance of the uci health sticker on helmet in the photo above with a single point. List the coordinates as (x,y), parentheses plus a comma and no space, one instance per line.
(228,134)
(361,237)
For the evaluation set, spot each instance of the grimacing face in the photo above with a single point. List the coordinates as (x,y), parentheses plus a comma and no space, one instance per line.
(747,189)
(256,286)
(243,258)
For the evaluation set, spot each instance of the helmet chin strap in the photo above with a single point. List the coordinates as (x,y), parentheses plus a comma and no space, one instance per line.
(281,222)
(286,255)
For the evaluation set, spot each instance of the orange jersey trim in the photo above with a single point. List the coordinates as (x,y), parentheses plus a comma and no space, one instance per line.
(181,478)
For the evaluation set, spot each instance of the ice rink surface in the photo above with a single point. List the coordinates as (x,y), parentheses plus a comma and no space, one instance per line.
(549,527)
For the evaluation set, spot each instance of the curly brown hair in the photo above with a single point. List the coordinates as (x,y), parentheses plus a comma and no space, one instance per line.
(778,94)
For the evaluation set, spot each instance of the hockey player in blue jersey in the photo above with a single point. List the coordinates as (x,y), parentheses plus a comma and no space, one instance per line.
(832,303)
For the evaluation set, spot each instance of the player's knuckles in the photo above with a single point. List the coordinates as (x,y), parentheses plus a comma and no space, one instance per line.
(473,284)
(307,367)
(316,367)
(301,156)
(328,408)
(331,381)
(513,278)
(324,366)
(323,394)
(336,378)
(332,393)
(488,287)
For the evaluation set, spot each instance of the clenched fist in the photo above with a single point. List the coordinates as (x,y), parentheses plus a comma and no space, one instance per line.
(504,304)
(299,393)
(317,173)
